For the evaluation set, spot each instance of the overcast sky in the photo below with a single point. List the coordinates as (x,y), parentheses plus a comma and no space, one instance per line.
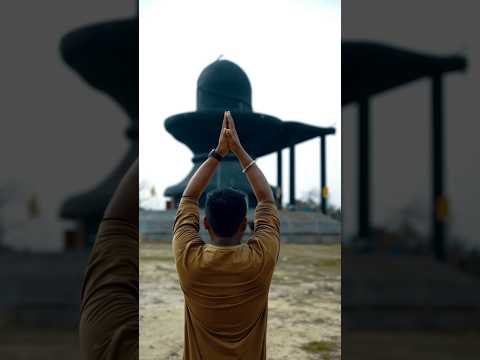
(290,51)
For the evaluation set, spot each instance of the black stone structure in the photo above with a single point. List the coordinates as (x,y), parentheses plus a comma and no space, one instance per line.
(371,68)
(221,86)
(105,55)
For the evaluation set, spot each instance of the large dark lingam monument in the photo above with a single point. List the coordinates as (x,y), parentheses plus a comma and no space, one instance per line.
(105,55)
(221,86)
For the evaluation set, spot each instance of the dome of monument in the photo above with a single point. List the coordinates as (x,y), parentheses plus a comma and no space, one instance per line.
(224,85)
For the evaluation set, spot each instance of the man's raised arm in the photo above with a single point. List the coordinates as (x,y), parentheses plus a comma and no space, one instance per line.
(124,203)
(187,219)
(255,176)
(267,223)
(202,176)
(109,297)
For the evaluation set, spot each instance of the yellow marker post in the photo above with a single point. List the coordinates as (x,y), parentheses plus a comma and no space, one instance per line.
(325,192)
(441,208)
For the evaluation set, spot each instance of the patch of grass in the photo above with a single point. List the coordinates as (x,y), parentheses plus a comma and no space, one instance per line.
(329,263)
(319,346)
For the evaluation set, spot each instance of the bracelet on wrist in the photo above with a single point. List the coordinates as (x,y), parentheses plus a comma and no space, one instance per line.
(248,166)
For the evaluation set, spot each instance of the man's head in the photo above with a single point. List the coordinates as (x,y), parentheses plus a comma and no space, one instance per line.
(225,213)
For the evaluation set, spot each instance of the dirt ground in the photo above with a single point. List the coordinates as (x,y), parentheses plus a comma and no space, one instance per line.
(412,345)
(38,344)
(304,304)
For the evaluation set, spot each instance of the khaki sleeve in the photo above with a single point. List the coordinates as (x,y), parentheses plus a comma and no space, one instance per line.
(109,299)
(186,239)
(266,234)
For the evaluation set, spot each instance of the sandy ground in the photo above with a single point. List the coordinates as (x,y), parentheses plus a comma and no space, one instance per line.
(304,304)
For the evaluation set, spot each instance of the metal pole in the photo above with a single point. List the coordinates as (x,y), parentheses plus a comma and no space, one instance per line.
(439,203)
(292,175)
(364,169)
(323,175)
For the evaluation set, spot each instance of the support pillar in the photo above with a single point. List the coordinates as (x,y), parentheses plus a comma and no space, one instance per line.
(292,175)
(279,177)
(364,230)
(323,175)
(439,202)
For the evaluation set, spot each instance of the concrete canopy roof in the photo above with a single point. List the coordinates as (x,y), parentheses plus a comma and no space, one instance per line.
(370,68)
(260,134)
(296,132)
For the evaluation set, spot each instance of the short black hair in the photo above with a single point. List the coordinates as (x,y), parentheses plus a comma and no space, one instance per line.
(225,209)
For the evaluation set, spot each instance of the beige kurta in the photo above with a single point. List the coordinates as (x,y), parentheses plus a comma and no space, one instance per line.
(225,288)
